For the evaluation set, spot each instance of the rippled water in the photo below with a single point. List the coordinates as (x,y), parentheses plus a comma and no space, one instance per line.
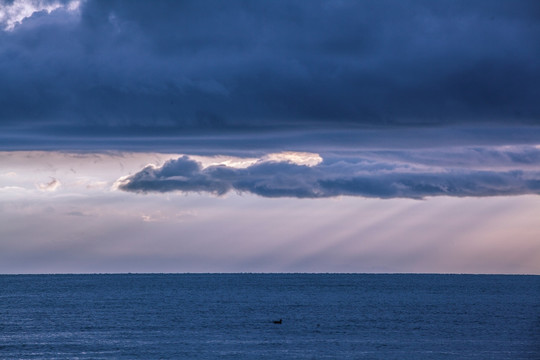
(231,316)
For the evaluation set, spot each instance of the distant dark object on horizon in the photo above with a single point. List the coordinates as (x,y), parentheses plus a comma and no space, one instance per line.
(278,321)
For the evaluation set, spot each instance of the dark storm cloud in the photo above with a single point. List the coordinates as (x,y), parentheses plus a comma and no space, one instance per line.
(394,178)
(505,157)
(134,69)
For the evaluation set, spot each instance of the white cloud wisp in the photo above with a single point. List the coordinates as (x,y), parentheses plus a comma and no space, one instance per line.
(14,13)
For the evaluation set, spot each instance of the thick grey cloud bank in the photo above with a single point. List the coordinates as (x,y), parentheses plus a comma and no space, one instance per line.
(113,70)
(402,175)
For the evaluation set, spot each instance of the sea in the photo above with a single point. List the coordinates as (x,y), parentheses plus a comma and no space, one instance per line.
(233,316)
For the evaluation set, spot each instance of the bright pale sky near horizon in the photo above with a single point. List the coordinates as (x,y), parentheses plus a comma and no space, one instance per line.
(279,136)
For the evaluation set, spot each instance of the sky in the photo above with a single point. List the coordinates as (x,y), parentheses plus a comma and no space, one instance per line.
(280,136)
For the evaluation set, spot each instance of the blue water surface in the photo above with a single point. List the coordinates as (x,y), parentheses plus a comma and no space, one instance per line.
(231,316)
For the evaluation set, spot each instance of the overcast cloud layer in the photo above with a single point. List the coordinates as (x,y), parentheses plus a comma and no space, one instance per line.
(112,70)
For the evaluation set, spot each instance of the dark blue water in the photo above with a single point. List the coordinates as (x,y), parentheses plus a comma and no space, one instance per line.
(231,316)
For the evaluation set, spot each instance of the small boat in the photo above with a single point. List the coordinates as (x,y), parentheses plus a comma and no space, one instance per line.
(277,321)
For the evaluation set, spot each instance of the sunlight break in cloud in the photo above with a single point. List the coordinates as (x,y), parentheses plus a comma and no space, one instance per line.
(294,157)
(14,13)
